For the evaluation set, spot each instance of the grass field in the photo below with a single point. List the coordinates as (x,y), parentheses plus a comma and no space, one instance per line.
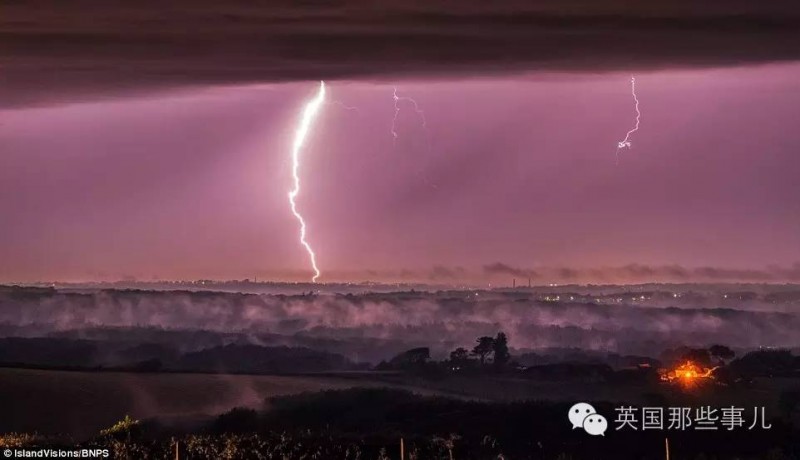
(79,404)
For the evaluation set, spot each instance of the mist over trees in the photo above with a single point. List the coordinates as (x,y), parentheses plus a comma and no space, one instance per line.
(371,327)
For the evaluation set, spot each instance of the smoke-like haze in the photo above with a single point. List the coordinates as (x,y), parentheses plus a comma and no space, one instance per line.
(373,326)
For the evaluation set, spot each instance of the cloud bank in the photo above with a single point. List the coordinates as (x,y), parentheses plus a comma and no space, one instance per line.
(52,50)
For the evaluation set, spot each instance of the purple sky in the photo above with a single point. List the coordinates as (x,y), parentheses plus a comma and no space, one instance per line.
(519,170)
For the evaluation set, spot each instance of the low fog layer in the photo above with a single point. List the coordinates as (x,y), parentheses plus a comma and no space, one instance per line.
(373,326)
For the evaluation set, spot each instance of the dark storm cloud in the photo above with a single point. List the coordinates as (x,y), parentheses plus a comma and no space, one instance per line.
(503,269)
(52,50)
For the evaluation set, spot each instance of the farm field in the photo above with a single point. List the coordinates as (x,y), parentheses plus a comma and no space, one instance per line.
(79,404)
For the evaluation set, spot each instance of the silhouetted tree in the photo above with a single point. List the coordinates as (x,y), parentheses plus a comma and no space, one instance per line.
(484,347)
(500,350)
(721,352)
(699,356)
(459,356)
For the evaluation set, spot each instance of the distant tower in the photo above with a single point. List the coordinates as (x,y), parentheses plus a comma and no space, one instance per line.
(513,282)
(529,282)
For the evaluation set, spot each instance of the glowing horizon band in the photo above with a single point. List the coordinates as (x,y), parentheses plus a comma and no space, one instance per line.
(309,113)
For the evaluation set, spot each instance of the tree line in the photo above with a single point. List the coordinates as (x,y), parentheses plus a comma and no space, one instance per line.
(488,353)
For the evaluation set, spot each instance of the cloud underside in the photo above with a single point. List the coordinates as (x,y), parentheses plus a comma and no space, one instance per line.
(53,51)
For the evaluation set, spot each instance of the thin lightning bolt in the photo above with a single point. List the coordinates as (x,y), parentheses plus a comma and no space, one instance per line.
(345,106)
(419,112)
(627,141)
(309,113)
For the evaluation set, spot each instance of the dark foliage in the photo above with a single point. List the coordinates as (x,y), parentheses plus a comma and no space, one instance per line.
(767,363)
(361,424)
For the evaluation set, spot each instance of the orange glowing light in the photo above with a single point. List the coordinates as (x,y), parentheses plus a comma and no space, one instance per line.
(687,373)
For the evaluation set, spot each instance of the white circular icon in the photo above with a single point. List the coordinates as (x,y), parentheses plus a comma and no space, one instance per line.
(595,425)
(578,412)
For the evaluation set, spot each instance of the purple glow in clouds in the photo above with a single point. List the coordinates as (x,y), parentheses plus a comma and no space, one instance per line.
(192,184)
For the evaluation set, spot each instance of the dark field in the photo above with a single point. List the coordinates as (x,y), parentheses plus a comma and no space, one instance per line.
(80,404)
(372,424)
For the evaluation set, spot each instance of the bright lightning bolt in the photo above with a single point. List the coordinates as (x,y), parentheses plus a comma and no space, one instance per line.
(627,141)
(309,113)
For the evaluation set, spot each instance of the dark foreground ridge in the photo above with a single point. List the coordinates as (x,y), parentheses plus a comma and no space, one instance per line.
(369,424)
